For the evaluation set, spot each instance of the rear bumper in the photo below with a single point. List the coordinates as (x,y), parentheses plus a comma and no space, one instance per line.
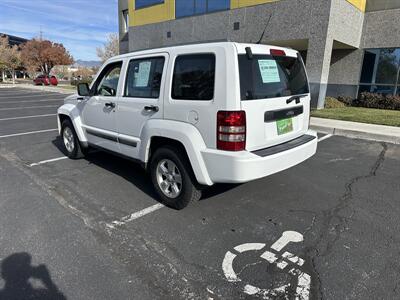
(238,167)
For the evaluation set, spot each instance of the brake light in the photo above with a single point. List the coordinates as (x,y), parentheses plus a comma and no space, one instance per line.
(231,130)
(277,52)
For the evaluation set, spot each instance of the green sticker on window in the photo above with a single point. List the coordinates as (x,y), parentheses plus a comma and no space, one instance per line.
(269,70)
(284,126)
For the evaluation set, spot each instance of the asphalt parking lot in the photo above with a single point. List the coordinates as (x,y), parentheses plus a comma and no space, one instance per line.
(93,229)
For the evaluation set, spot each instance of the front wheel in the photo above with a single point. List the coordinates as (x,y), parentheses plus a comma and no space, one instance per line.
(70,140)
(173,178)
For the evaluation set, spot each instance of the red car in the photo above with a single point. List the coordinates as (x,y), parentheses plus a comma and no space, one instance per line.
(45,80)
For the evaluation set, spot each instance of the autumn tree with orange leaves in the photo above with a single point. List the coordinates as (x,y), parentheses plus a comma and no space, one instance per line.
(43,55)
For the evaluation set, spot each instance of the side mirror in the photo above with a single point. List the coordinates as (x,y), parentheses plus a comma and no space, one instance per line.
(83,89)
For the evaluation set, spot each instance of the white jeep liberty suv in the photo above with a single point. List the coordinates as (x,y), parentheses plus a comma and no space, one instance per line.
(196,115)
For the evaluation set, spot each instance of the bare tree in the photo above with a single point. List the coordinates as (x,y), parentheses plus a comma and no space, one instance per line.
(10,57)
(110,48)
(3,50)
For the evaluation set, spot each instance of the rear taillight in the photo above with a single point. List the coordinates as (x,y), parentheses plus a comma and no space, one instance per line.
(277,52)
(231,130)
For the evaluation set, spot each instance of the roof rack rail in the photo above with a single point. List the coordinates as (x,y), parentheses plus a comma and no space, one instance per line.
(183,44)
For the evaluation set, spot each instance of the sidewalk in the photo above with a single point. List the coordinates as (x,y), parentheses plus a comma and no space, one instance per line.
(55,89)
(372,132)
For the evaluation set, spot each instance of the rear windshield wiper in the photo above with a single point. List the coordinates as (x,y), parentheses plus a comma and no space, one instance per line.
(296,98)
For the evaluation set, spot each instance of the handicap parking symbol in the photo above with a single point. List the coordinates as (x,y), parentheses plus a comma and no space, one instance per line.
(284,260)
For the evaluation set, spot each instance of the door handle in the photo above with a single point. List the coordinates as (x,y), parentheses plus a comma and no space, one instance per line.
(110,105)
(151,108)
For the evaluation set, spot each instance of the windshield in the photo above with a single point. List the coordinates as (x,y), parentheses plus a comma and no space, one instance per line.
(266,76)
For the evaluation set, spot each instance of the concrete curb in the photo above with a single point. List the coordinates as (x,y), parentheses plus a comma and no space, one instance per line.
(370,132)
(39,88)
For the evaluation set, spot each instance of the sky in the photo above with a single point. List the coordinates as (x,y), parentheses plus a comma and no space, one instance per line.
(80,25)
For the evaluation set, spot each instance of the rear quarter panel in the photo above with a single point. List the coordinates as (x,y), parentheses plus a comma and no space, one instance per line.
(202,114)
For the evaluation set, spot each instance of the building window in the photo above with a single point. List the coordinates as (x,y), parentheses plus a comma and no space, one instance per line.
(185,8)
(125,16)
(145,3)
(380,71)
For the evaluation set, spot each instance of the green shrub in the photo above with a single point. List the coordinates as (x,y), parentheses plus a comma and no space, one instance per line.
(331,102)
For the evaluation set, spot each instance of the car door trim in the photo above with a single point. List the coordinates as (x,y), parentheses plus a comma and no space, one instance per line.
(102,134)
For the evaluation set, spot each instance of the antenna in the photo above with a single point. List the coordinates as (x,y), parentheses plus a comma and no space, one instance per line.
(265,29)
(41,33)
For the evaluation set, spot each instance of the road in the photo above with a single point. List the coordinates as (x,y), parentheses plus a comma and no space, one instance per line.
(93,229)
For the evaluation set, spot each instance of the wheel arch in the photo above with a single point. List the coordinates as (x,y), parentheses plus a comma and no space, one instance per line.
(69,111)
(182,135)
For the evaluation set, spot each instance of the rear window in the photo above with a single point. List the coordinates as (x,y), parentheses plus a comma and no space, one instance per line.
(194,77)
(266,76)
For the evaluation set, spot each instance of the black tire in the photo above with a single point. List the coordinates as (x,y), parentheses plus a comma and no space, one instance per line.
(189,191)
(76,151)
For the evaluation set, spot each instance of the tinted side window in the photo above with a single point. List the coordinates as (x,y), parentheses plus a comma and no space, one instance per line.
(107,83)
(194,77)
(144,77)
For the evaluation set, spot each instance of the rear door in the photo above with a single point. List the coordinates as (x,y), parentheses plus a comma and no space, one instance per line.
(142,99)
(275,96)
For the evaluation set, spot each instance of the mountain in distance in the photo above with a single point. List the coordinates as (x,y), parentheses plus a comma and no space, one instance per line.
(87,63)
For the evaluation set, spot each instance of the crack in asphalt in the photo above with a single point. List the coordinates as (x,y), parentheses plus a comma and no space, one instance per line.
(342,223)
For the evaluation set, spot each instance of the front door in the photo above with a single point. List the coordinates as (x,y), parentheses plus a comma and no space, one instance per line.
(98,112)
(141,100)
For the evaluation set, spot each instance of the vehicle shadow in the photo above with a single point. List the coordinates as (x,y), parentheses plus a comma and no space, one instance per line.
(134,173)
(125,168)
(17,271)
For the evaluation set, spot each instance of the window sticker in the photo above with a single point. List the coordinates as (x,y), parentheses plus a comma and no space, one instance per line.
(269,71)
(142,74)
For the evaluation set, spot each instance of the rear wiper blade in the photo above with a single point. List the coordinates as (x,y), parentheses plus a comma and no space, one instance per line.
(296,98)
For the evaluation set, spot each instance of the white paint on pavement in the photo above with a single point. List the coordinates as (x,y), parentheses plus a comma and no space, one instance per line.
(47,161)
(293,258)
(282,262)
(31,101)
(28,117)
(249,247)
(29,95)
(269,257)
(27,133)
(227,267)
(135,216)
(325,137)
(29,107)
(286,238)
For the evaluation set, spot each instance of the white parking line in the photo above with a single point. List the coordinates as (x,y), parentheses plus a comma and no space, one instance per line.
(29,107)
(27,117)
(31,101)
(48,161)
(27,95)
(325,137)
(26,133)
(135,216)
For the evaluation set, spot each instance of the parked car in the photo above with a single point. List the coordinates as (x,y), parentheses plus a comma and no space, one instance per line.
(45,80)
(196,115)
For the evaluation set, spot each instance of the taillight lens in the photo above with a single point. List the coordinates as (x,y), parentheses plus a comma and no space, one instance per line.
(277,52)
(231,130)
